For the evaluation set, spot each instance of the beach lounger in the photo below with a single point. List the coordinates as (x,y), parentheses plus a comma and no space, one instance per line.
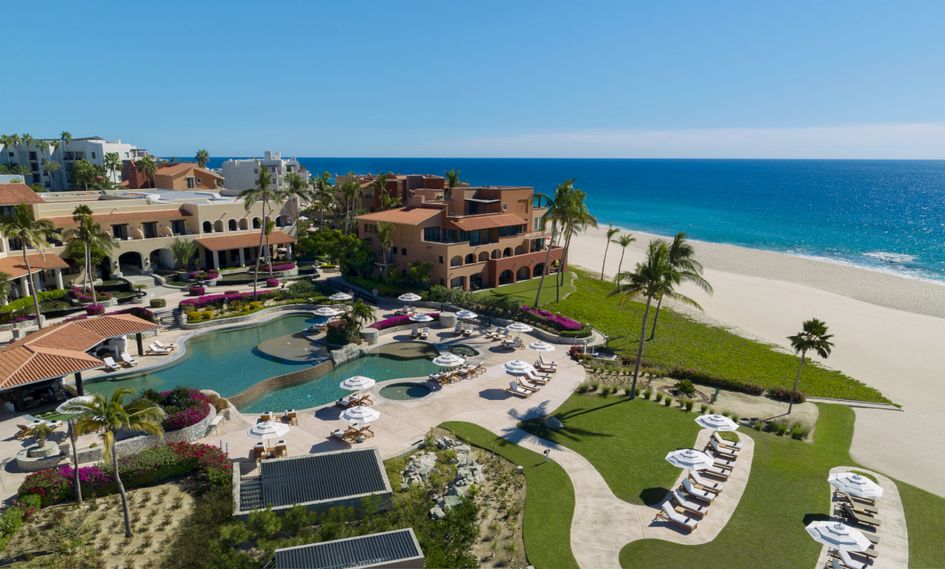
(863,519)
(851,563)
(537,379)
(716,472)
(110,364)
(696,510)
(708,485)
(517,390)
(698,493)
(155,349)
(258,453)
(414,332)
(161,344)
(866,503)
(547,364)
(345,401)
(669,514)
(720,452)
(860,507)
(730,445)
(720,461)
(527,384)
(128,360)
(425,333)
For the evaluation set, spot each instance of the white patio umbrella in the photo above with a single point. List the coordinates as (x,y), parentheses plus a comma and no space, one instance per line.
(420,317)
(466,315)
(716,422)
(326,311)
(837,535)
(409,297)
(690,459)
(448,359)
(855,485)
(518,367)
(268,429)
(540,346)
(357,383)
(519,327)
(360,414)
(340,297)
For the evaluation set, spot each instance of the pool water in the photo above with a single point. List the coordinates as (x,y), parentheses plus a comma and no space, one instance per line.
(405,391)
(463,350)
(228,363)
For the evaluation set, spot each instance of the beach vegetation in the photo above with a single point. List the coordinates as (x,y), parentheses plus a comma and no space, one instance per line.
(611,232)
(624,241)
(812,337)
(202,157)
(682,259)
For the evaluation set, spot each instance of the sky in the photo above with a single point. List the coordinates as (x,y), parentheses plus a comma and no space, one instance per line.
(752,79)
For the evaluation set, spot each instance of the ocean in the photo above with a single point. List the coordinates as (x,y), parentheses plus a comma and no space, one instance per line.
(880,214)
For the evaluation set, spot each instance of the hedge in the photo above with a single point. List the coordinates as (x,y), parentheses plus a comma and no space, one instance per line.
(27,301)
(158,302)
(783,394)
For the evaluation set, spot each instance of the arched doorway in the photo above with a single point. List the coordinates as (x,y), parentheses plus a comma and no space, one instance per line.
(161,259)
(507,252)
(458,282)
(130,261)
(244,224)
(207,227)
(538,270)
(495,254)
(218,226)
(483,257)
(470,259)
(231,225)
(506,277)
(257,223)
(456,261)
(522,274)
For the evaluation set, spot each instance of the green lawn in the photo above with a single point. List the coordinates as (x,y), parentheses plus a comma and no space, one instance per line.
(685,343)
(549,500)
(627,440)
(525,291)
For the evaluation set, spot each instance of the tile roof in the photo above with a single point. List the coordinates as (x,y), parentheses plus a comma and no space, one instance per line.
(180,168)
(372,550)
(488,221)
(403,216)
(14,266)
(123,217)
(15,194)
(59,350)
(320,477)
(241,240)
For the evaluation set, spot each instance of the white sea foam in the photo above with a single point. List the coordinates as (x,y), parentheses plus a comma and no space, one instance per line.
(887,257)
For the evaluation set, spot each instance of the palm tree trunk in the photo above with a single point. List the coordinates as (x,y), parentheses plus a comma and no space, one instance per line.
(797,378)
(620,264)
(121,492)
(88,272)
(32,286)
(75,461)
(639,359)
(266,227)
(604,264)
(564,264)
(554,229)
(656,317)
(259,250)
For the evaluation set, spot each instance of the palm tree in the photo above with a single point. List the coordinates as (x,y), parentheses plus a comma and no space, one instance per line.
(297,187)
(452,180)
(813,336)
(112,163)
(4,287)
(107,417)
(65,136)
(323,197)
(624,241)
(261,193)
(360,313)
(554,213)
(351,194)
(655,277)
(385,232)
(202,157)
(576,218)
(84,172)
(183,250)
(148,166)
(92,237)
(31,233)
(682,258)
(50,167)
(611,231)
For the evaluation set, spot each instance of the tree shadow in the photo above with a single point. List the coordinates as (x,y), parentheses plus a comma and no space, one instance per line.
(653,496)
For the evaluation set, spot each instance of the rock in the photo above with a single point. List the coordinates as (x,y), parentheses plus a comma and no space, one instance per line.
(437,513)
(450,502)
(554,423)
(460,491)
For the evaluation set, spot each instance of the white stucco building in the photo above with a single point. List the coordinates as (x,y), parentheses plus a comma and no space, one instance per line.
(242,174)
(33,157)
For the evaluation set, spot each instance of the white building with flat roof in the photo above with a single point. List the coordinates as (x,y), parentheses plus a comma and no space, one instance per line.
(31,158)
(242,174)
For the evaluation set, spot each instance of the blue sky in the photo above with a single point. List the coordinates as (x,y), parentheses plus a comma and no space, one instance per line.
(728,79)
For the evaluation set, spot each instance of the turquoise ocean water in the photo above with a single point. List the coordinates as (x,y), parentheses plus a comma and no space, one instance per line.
(887,215)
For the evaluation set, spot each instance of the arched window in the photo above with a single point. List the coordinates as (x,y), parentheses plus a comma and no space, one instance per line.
(483,257)
(522,274)
(207,227)
(257,223)
(470,259)
(507,252)
(231,225)
(218,226)
(456,261)
(506,277)
(539,270)
(244,224)
(520,250)
(495,254)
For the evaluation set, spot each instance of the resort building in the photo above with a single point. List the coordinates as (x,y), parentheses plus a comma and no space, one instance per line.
(144,224)
(179,176)
(398,549)
(242,174)
(317,481)
(399,186)
(34,156)
(477,237)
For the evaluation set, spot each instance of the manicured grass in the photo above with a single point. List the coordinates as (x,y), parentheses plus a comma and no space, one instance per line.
(925,518)
(682,342)
(525,291)
(625,440)
(549,500)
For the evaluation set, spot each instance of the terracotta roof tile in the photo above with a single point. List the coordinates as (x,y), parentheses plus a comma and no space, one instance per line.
(14,266)
(123,217)
(241,240)
(488,221)
(403,216)
(15,194)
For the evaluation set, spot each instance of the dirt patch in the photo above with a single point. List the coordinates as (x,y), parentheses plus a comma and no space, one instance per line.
(501,501)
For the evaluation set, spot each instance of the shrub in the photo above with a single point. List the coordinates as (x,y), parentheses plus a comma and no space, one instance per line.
(49,484)
(647,393)
(782,394)
(668,401)
(277,268)
(658,397)
(583,387)
(685,387)
(595,385)
(272,283)
(196,290)
(703,408)
(218,299)
(95,309)
(799,432)
(703,378)
(687,403)
(11,520)
(158,303)
(83,297)
(400,320)
(556,321)
(139,311)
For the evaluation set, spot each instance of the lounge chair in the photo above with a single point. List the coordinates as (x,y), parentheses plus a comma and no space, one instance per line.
(863,519)
(128,360)
(698,493)
(517,390)
(414,332)
(109,364)
(550,365)
(866,503)
(720,452)
(720,461)
(703,483)
(527,384)
(291,417)
(161,344)
(845,498)
(669,514)
(345,401)
(425,333)
(467,331)
(692,508)
(155,349)
(537,379)
(851,563)
(731,446)
(258,453)
(716,472)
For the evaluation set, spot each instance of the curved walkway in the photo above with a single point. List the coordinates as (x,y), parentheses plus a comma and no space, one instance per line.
(893,549)
(603,523)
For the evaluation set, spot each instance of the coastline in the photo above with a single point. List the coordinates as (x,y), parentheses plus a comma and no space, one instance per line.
(888,333)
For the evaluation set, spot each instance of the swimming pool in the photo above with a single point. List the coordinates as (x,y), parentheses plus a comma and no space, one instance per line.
(405,391)
(229,363)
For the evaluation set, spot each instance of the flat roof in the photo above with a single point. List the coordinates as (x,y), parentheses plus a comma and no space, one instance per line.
(242,240)
(320,477)
(488,221)
(398,546)
(412,215)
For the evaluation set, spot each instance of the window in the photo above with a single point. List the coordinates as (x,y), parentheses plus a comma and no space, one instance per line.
(431,233)
(120,231)
(207,227)
(470,258)
(178,227)
(510,230)
(441,259)
(393,251)
(231,225)
(16,245)
(32,155)
(403,251)
(150,229)
(190,183)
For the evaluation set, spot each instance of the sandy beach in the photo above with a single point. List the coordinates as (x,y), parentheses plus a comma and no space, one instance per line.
(889,333)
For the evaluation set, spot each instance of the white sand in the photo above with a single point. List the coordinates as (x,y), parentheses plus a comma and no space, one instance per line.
(889,333)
